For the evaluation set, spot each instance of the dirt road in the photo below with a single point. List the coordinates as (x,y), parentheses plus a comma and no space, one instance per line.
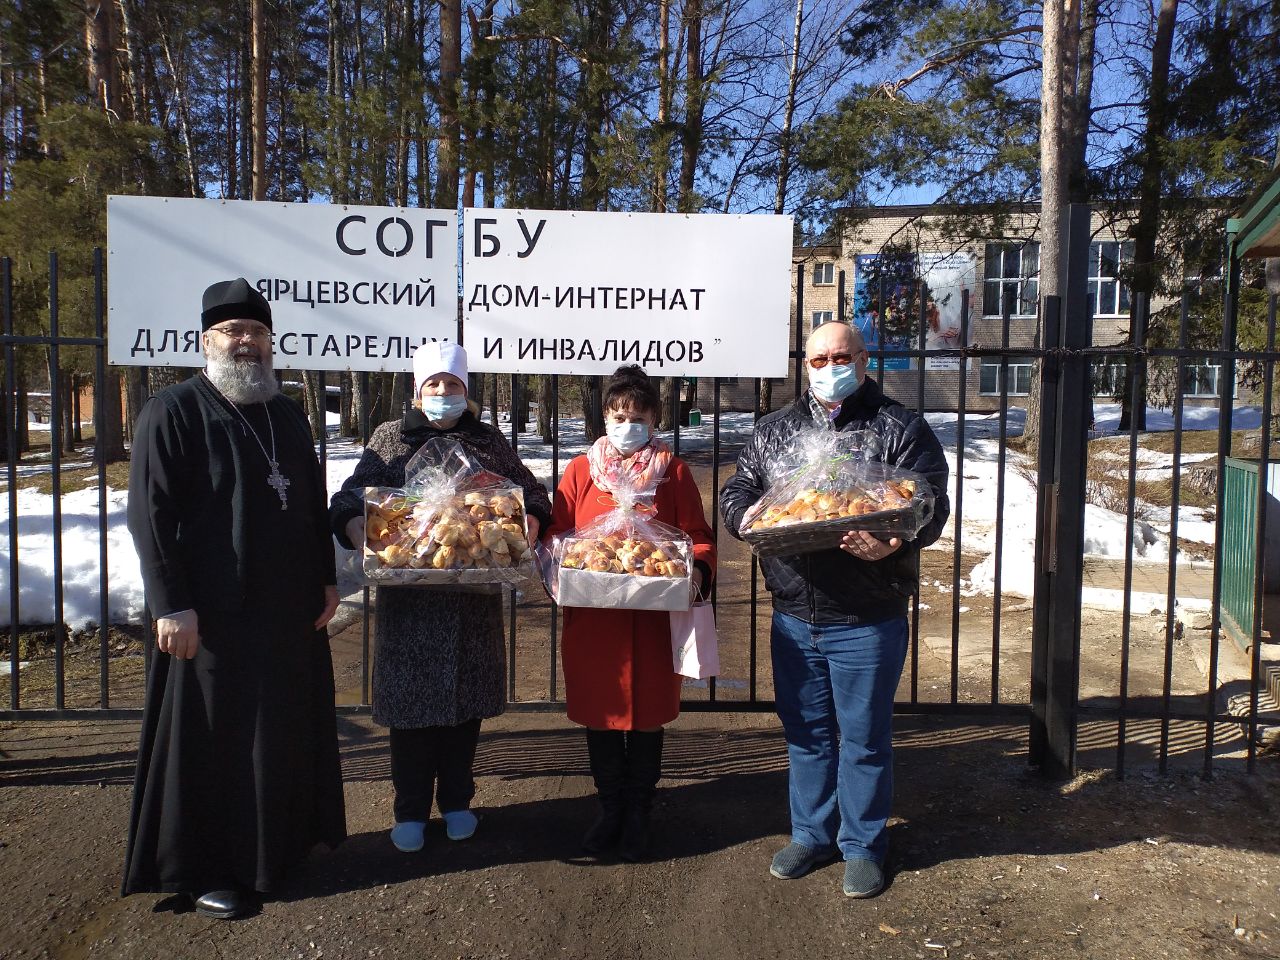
(987,859)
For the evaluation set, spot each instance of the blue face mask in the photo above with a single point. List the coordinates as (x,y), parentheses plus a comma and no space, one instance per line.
(834,382)
(444,408)
(627,438)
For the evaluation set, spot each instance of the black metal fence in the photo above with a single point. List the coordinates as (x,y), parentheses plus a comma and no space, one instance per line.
(1119,685)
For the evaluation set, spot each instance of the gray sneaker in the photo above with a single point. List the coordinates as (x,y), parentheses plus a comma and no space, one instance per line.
(862,879)
(795,860)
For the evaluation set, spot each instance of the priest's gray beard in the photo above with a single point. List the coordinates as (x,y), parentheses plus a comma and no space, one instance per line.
(242,374)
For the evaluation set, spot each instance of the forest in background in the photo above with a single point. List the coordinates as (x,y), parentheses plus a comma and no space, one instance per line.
(810,108)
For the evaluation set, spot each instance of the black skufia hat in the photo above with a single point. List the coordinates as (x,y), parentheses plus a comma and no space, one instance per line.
(234,300)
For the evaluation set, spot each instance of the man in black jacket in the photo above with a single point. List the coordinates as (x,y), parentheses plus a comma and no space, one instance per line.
(839,635)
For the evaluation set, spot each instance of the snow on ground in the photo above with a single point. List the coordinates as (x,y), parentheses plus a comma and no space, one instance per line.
(979,467)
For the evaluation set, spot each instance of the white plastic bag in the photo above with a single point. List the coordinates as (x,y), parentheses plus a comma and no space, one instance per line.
(695,646)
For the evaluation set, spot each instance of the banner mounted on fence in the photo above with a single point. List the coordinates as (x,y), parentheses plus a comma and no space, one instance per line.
(350,287)
(580,293)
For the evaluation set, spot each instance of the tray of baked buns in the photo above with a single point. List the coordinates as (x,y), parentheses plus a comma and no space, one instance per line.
(473,537)
(635,570)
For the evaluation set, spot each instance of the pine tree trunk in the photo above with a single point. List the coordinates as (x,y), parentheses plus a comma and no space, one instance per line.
(520,402)
(136,393)
(1146,269)
(667,393)
(245,85)
(1053,193)
(448,147)
(23,419)
(359,403)
(66,424)
(662,142)
(258,92)
(100,65)
(691,129)
(6,418)
(314,403)
(590,389)
(548,128)
(546,404)
(97,41)
(73,398)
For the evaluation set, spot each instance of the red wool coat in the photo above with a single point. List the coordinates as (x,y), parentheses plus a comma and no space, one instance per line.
(618,670)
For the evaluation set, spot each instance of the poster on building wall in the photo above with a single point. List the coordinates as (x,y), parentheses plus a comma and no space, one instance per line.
(886,305)
(946,278)
(884,298)
(582,293)
(350,287)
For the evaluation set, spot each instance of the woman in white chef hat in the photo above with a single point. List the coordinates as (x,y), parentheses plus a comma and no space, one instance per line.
(439,664)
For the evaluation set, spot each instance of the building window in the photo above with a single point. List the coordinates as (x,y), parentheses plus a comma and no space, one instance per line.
(1205,281)
(824,274)
(1011,272)
(821,316)
(1017,373)
(1108,295)
(1108,379)
(1202,380)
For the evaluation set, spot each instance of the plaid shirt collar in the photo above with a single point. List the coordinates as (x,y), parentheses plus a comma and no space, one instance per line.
(822,417)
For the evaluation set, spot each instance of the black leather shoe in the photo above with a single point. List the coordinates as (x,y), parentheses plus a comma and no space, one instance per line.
(224,905)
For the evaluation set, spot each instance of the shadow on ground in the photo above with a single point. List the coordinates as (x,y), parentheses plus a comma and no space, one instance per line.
(964,791)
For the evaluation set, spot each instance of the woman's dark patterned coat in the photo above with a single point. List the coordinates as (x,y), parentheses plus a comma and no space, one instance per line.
(439,653)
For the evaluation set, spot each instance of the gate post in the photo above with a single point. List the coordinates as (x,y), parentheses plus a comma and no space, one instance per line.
(1059,577)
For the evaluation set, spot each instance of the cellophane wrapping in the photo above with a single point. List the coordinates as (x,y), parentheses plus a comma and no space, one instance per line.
(623,559)
(824,486)
(453,522)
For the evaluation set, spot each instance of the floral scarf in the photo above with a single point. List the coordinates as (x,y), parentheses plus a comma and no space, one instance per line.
(642,471)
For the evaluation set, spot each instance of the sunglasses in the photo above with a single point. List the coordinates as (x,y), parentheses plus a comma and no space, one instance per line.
(839,359)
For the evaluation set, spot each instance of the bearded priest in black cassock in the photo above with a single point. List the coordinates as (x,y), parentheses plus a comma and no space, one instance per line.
(238,774)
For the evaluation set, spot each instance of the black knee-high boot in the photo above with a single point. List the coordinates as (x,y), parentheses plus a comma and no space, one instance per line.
(644,768)
(607,752)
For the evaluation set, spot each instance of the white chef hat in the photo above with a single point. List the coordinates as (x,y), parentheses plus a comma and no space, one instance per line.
(438,356)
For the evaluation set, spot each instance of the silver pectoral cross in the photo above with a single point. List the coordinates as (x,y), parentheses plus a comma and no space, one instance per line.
(278,482)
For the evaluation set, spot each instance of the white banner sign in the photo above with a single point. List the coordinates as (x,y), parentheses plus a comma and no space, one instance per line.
(581,293)
(351,288)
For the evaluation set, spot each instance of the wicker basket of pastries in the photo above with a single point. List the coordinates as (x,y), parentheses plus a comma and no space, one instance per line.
(893,504)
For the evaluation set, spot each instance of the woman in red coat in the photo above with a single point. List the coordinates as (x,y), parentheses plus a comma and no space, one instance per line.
(619,678)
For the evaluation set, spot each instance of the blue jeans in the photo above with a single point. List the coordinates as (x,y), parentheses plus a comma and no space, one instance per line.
(834,686)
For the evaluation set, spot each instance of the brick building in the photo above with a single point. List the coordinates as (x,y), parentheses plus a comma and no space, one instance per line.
(911,278)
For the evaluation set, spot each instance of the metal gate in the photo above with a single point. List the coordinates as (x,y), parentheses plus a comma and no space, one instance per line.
(967,656)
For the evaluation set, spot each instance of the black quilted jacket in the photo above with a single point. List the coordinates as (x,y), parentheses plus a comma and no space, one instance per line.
(831,586)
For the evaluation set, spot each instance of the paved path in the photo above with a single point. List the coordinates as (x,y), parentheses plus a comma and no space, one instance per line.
(1194,580)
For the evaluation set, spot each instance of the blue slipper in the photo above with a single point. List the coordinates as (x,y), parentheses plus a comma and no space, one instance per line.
(407,836)
(460,824)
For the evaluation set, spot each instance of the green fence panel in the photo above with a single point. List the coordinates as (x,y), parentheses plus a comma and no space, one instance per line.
(1239,526)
